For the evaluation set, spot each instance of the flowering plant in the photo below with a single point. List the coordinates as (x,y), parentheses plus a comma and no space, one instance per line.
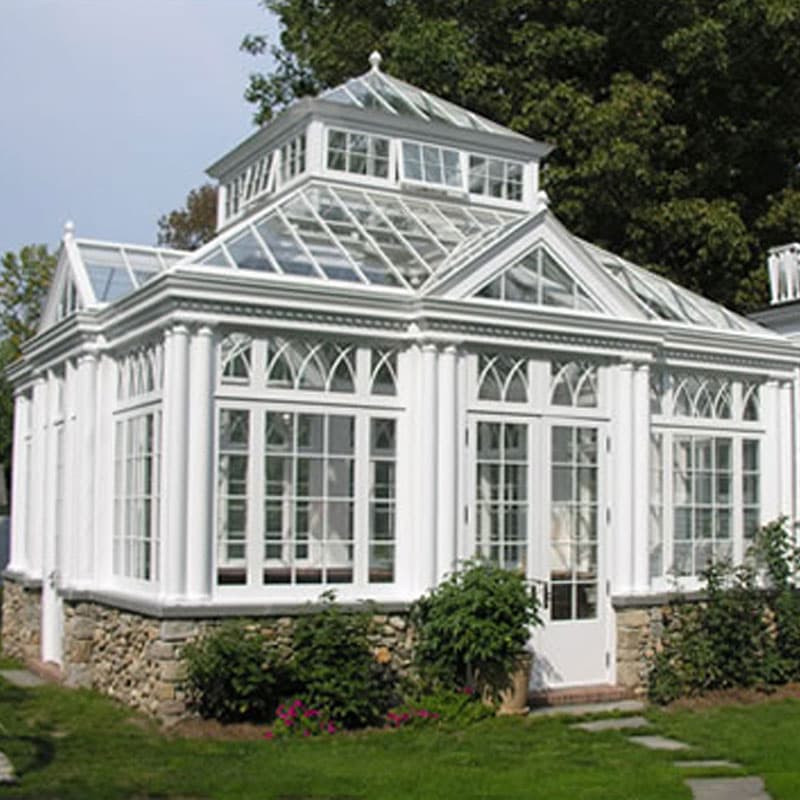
(408,715)
(299,720)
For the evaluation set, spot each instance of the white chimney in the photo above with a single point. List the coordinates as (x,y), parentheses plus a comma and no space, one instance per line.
(783,264)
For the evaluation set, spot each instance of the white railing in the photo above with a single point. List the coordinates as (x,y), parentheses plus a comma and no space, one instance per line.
(784,273)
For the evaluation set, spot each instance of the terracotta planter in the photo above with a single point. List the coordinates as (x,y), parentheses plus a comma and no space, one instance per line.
(514,700)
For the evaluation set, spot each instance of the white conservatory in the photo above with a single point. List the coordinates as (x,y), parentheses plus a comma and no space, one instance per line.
(392,357)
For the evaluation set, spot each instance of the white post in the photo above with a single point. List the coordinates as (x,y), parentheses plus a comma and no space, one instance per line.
(620,474)
(786,434)
(176,408)
(37,487)
(427,466)
(770,456)
(85,446)
(447,464)
(200,493)
(102,568)
(640,490)
(19,488)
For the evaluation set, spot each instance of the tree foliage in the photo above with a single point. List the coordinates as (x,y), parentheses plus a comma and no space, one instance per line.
(192,226)
(684,113)
(24,282)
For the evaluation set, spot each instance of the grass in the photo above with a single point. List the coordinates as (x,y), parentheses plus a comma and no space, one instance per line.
(75,744)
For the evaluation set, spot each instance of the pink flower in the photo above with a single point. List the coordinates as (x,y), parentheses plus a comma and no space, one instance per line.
(306,732)
(468,690)
(288,723)
(297,704)
(269,735)
(331,728)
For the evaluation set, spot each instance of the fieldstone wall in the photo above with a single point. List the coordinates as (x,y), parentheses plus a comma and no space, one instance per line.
(138,659)
(22,614)
(639,635)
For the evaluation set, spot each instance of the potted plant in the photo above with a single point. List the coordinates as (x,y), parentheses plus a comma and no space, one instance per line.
(472,630)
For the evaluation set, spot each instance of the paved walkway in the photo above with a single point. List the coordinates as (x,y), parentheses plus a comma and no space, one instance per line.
(750,788)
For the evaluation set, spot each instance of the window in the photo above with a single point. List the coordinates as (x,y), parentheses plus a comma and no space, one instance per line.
(501,494)
(702,502)
(503,378)
(137,471)
(236,358)
(574,523)
(321,366)
(537,279)
(232,494)
(656,515)
(751,488)
(293,158)
(495,177)
(140,372)
(383,454)
(573,383)
(427,163)
(383,372)
(255,180)
(358,153)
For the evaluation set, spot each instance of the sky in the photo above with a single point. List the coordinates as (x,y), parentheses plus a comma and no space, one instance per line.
(110,110)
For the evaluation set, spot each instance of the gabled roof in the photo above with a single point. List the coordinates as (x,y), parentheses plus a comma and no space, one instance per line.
(377,90)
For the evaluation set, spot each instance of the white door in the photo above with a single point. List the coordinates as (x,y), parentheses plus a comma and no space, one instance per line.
(573,646)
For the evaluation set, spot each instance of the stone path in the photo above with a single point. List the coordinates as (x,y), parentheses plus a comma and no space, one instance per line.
(750,788)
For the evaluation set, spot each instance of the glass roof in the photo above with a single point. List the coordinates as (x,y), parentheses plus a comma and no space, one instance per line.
(356,235)
(663,299)
(115,270)
(377,90)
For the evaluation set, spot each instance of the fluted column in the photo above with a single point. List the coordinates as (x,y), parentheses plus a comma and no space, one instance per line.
(19,489)
(640,490)
(83,559)
(426,463)
(620,474)
(447,463)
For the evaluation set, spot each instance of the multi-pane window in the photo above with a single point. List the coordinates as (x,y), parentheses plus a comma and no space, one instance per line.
(501,493)
(502,377)
(702,478)
(254,180)
(293,158)
(232,494)
(137,473)
(309,498)
(383,457)
(428,163)
(751,488)
(359,153)
(383,372)
(495,177)
(140,372)
(538,279)
(573,383)
(574,523)
(315,366)
(236,358)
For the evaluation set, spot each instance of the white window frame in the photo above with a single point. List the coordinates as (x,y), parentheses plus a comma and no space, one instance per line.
(366,178)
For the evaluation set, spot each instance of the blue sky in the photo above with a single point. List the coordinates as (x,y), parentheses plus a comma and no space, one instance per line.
(110,110)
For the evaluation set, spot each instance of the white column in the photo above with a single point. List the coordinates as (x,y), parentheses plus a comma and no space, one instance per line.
(785,439)
(174,460)
(770,455)
(83,555)
(447,464)
(19,489)
(640,490)
(72,460)
(103,548)
(620,475)
(37,488)
(796,446)
(426,465)
(200,492)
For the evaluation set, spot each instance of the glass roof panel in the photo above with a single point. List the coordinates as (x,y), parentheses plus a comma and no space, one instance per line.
(248,253)
(284,246)
(108,283)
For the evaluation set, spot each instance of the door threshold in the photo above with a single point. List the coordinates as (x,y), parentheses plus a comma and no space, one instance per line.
(580,695)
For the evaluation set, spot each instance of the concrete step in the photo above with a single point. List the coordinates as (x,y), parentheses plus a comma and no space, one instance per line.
(580,695)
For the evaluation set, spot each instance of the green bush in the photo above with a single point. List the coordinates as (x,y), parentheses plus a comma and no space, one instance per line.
(335,669)
(745,633)
(232,675)
(471,628)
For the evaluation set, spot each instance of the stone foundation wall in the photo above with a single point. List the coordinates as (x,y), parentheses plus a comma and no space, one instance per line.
(138,659)
(639,635)
(21,625)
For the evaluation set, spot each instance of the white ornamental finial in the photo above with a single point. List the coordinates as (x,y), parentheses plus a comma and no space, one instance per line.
(375,60)
(69,228)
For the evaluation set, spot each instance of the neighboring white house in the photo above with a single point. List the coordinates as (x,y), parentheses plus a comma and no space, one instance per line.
(392,357)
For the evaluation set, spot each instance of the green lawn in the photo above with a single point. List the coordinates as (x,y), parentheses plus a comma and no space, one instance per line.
(75,744)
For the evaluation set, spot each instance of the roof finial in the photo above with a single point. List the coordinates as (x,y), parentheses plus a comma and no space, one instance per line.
(69,228)
(375,60)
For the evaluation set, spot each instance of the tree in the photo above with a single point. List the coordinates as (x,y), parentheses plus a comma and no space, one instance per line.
(192,226)
(673,108)
(24,283)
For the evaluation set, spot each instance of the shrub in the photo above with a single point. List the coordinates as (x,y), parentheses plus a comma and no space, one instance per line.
(232,675)
(335,668)
(746,632)
(472,627)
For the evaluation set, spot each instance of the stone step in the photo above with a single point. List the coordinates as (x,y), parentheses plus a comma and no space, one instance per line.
(22,678)
(708,763)
(658,743)
(7,774)
(614,724)
(584,709)
(728,789)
